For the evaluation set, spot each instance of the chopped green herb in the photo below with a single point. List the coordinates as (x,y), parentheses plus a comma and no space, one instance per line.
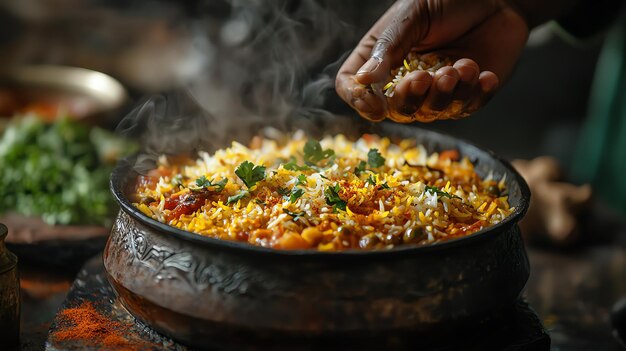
(384,186)
(440,192)
(295,215)
(58,171)
(371,180)
(237,197)
(313,152)
(296,193)
(292,165)
(260,202)
(203,182)
(332,197)
(360,168)
(324,177)
(250,174)
(301,180)
(220,185)
(283,191)
(375,159)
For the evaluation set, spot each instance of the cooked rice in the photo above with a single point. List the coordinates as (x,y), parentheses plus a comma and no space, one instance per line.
(386,206)
(414,62)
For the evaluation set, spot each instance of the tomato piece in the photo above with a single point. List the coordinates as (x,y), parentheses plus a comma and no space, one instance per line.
(452,155)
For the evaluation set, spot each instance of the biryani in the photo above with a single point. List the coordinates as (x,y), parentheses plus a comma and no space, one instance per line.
(414,62)
(332,194)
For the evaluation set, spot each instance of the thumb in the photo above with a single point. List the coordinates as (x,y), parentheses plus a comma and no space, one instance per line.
(378,66)
(393,43)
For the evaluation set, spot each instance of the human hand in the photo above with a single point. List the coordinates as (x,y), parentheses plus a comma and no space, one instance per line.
(488,33)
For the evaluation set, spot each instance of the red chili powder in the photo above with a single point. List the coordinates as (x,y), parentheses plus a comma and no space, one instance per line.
(84,322)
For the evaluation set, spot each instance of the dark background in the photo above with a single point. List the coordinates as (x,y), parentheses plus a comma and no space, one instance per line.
(154,46)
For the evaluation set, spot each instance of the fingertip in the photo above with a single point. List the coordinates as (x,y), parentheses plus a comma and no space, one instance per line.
(373,71)
(489,82)
(368,104)
(468,69)
(415,83)
(446,79)
(420,83)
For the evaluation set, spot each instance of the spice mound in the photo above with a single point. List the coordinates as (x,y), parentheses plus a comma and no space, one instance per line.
(85,323)
(329,195)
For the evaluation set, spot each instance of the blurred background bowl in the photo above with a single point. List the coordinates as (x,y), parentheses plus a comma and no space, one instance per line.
(52,91)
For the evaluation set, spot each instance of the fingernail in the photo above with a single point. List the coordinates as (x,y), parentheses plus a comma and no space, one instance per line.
(369,66)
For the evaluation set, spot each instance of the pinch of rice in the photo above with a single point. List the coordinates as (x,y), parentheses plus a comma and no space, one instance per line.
(414,198)
(415,62)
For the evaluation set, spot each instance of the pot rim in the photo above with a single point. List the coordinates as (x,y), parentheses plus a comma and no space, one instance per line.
(121,172)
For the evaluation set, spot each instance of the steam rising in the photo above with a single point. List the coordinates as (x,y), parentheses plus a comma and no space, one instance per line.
(266,63)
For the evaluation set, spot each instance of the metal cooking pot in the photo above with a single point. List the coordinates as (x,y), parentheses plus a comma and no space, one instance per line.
(210,293)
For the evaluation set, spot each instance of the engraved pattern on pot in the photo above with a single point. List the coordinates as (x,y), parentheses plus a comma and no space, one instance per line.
(166,262)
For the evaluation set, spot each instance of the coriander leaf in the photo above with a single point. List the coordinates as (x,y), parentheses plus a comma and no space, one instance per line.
(301,180)
(371,180)
(292,165)
(313,152)
(260,202)
(384,186)
(332,197)
(295,194)
(58,171)
(203,182)
(360,168)
(295,215)
(220,185)
(324,177)
(237,197)
(283,191)
(375,159)
(250,174)
(441,193)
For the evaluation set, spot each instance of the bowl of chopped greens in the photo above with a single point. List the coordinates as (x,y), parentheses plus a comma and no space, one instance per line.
(56,153)
(53,184)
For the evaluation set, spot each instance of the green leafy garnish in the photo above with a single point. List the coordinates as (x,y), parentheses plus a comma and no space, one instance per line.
(283,191)
(360,168)
(250,174)
(313,152)
(371,180)
(384,186)
(295,215)
(292,165)
(237,197)
(59,171)
(332,197)
(375,159)
(260,202)
(301,180)
(203,182)
(296,193)
(440,192)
